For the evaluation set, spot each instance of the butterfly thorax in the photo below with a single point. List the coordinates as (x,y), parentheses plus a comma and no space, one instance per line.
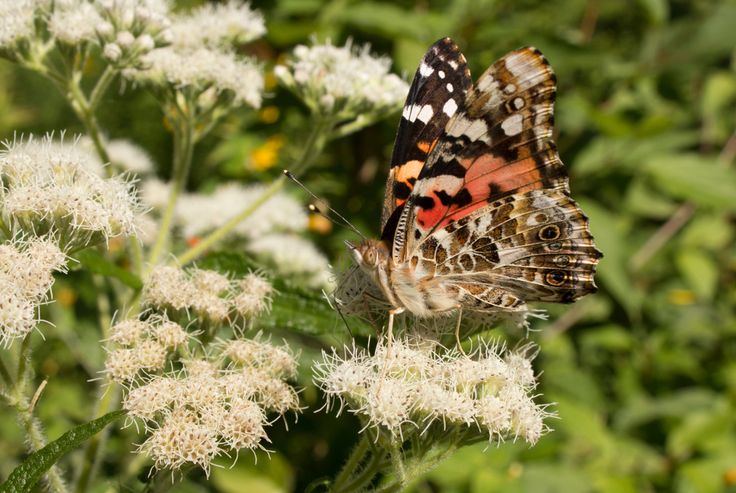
(401,283)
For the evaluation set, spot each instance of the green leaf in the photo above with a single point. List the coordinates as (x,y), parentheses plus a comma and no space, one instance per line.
(95,262)
(700,270)
(700,179)
(26,475)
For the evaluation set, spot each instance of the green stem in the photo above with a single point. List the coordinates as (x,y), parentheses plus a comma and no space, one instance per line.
(103,84)
(375,464)
(32,427)
(348,470)
(313,147)
(183,149)
(85,111)
(5,375)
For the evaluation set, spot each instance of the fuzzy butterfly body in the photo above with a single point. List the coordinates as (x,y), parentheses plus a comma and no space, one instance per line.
(477,213)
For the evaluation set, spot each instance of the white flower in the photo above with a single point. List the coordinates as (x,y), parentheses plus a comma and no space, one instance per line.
(128,29)
(201,69)
(182,439)
(407,384)
(197,413)
(54,188)
(129,156)
(17,21)
(218,25)
(74,22)
(200,213)
(26,277)
(342,81)
(155,193)
(295,256)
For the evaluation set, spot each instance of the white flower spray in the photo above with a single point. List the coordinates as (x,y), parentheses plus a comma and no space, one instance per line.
(418,401)
(198,396)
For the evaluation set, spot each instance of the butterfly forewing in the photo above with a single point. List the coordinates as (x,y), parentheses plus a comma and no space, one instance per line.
(437,91)
(490,212)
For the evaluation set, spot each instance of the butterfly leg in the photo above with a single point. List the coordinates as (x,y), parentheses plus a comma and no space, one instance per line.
(389,343)
(457,329)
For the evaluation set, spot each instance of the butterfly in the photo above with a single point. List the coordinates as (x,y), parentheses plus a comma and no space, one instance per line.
(477,215)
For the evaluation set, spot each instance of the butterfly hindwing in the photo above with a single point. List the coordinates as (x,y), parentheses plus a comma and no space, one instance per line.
(532,246)
(438,89)
(498,143)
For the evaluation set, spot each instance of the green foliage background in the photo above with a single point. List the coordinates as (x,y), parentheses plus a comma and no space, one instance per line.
(644,372)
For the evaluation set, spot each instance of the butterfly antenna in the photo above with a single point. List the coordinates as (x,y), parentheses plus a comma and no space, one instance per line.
(314,208)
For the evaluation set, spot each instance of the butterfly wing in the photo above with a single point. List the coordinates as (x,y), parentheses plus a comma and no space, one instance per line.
(491,211)
(438,89)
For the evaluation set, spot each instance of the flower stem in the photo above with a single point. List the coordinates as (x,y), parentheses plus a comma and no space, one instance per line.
(313,147)
(31,425)
(36,441)
(183,149)
(85,109)
(357,456)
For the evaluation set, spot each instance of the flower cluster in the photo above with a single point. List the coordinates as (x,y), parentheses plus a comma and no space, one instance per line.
(405,386)
(268,234)
(214,405)
(200,61)
(142,346)
(55,188)
(207,294)
(26,277)
(342,81)
(295,257)
(218,25)
(132,28)
(18,22)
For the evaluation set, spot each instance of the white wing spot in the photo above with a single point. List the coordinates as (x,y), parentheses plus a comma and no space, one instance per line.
(512,125)
(425,70)
(449,87)
(509,89)
(452,63)
(441,73)
(517,64)
(425,113)
(450,107)
(518,103)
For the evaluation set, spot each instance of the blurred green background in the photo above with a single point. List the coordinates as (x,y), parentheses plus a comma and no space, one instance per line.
(644,372)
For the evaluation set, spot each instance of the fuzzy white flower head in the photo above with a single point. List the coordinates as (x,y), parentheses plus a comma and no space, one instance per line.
(26,277)
(273,360)
(74,22)
(199,214)
(182,439)
(342,81)
(253,296)
(293,256)
(17,315)
(54,188)
(217,25)
(237,80)
(154,397)
(17,21)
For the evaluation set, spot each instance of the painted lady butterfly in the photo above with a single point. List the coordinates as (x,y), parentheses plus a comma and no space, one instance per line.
(477,214)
